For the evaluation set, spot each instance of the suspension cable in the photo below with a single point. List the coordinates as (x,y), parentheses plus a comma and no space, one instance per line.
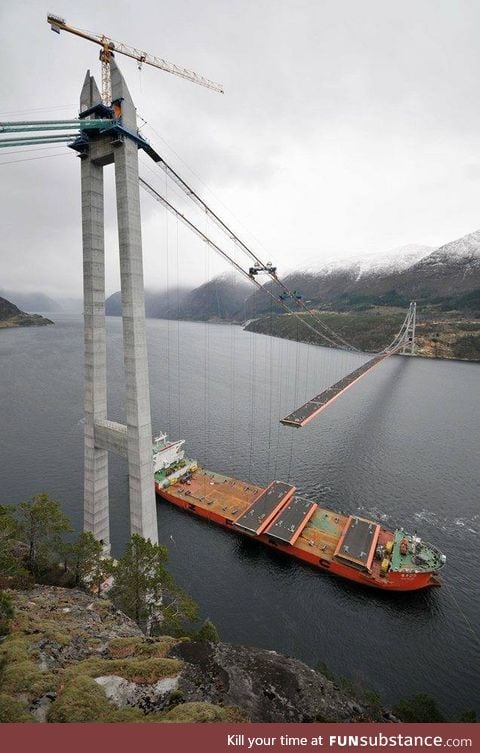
(158,197)
(173,175)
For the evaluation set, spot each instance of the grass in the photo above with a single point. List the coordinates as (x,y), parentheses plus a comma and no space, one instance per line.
(140,671)
(199,711)
(81,700)
(121,648)
(12,710)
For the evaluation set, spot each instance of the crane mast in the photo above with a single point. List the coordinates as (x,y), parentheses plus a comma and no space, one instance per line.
(110,46)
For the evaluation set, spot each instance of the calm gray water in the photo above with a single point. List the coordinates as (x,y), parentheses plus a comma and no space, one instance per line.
(402,446)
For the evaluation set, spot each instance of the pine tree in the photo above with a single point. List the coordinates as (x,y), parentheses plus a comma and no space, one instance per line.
(40,526)
(145,590)
(84,561)
(207,632)
(11,567)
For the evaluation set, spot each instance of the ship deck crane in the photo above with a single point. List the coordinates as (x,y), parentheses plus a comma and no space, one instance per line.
(109,47)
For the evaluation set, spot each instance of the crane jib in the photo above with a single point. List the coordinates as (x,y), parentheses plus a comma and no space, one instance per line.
(58,24)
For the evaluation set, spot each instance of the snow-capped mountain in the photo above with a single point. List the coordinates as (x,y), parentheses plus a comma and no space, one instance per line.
(465,250)
(395,260)
(447,277)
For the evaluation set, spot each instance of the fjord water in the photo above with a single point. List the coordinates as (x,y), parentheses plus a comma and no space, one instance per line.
(402,446)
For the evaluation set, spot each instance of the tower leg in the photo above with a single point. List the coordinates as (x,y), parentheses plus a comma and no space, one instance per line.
(96,513)
(143,514)
(102,436)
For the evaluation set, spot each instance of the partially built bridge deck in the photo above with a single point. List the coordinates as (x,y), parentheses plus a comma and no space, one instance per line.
(313,407)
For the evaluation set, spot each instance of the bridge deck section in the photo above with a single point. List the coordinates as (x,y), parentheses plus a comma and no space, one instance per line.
(291,520)
(313,407)
(358,542)
(262,511)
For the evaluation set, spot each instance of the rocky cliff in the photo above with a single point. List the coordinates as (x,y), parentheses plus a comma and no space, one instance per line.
(74,658)
(12,316)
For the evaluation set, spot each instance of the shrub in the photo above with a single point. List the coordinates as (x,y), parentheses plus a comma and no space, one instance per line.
(208,632)
(7,613)
(324,670)
(418,708)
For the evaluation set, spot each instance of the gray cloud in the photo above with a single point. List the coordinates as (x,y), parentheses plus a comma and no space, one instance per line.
(345,127)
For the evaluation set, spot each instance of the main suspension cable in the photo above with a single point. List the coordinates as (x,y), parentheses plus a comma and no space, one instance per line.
(158,197)
(175,177)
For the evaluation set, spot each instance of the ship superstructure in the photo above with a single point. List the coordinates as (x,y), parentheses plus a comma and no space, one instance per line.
(169,462)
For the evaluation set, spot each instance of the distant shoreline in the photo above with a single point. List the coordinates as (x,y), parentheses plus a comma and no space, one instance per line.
(25,320)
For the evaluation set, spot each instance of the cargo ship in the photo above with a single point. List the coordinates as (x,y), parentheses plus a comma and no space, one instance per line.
(348,546)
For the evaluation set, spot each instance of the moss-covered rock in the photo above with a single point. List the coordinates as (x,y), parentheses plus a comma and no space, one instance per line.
(122,648)
(202,712)
(115,716)
(81,700)
(12,710)
(15,648)
(20,676)
(140,671)
(74,658)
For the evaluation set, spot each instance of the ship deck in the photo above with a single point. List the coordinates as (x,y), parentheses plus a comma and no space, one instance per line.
(231,499)
(276,516)
(427,558)
(220,494)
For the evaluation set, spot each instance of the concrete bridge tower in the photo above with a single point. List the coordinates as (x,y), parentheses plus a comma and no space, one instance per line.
(133,440)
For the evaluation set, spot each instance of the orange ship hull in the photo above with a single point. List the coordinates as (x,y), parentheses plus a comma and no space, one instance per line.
(209,508)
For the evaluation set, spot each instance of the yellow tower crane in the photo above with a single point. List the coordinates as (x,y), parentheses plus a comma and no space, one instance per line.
(110,46)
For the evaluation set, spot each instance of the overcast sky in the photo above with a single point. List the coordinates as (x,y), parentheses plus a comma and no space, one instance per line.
(347,127)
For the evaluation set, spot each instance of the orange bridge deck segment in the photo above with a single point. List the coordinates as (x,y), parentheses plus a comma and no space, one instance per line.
(358,542)
(291,520)
(263,510)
